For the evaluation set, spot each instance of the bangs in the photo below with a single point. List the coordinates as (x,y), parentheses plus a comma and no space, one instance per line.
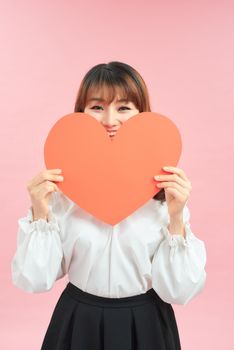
(109,86)
(109,93)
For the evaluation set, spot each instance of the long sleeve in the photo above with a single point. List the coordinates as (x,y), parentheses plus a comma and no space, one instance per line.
(37,262)
(178,265)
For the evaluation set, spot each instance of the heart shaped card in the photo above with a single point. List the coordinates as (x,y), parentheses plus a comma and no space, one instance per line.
(108,177)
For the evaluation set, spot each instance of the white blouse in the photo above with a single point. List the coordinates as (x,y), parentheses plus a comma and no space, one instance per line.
(117,261)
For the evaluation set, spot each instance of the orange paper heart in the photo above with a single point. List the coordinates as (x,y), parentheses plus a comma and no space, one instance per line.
(111,177)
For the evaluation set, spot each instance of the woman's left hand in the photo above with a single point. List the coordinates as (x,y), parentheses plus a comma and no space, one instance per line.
(177,189)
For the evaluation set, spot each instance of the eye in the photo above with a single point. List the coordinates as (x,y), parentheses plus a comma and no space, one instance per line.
(124,107)
(95,106)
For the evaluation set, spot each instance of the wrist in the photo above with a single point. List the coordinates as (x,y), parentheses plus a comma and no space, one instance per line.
(36,215)
(176,225)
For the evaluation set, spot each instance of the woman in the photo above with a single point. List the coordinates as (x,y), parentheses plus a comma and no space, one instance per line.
(122,279)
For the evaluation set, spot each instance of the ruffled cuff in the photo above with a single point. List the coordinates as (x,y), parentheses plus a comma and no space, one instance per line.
(41,225)
(175,240)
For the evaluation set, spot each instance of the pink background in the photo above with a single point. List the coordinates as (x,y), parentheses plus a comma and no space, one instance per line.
(185,53)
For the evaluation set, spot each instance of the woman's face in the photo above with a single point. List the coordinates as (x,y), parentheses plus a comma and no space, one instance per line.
(111,116)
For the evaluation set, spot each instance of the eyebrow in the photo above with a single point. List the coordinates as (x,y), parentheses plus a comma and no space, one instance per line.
(101,99)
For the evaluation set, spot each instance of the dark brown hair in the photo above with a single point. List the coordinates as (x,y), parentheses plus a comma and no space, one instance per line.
(110,78)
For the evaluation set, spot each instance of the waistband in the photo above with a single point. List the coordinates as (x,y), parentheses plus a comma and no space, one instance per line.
(135,300)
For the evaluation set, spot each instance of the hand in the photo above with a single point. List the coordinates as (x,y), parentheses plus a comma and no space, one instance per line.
(177,189)
(40,189)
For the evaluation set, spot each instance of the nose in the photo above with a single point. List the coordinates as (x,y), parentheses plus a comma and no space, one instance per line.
(109,120)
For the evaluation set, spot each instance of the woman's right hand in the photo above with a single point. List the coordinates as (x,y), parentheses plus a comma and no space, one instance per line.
(40,189)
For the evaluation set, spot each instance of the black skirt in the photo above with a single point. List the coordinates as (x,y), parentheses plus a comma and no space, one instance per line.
(83,321)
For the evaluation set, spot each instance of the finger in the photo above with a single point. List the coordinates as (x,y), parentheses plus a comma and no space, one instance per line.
(183,190)
(48,188)
(173,177)
(55,171)
(177,171)
(44,176)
